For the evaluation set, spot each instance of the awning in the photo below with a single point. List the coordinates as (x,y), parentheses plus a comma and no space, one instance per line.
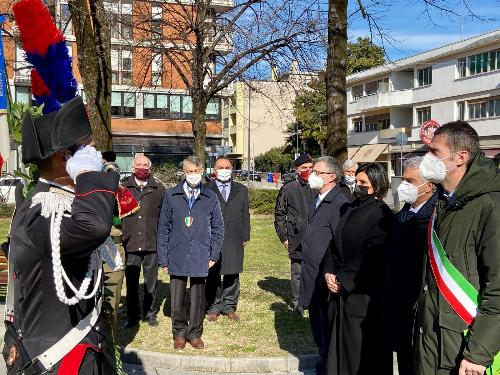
(490,153)
(369,153)
(351,151)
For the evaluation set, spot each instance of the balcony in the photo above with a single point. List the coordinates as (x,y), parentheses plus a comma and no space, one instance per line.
(222,4)
(224,46)
(381,100)
(363,138)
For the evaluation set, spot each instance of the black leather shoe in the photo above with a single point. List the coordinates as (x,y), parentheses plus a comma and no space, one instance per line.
(153,321)
(130,323)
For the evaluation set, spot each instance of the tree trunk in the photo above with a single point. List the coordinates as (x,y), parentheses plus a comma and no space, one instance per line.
(94,62)
(199,125)
(322,147)
(336,100)
(198,78)
(51,6)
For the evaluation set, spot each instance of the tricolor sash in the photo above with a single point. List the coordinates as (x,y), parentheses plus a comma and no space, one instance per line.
(455,288)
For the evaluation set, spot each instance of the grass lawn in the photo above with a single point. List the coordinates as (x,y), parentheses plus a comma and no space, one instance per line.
(267,326)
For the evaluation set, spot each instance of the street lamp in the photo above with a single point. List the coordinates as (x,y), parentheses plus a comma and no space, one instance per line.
(297,134)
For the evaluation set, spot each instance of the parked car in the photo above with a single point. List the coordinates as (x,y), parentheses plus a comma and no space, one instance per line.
(289,176)
(252,176)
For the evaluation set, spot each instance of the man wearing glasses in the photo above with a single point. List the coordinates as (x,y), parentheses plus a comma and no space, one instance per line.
(324,215)
(190,236)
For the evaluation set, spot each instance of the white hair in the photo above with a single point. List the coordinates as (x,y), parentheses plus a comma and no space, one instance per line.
(413,162)
(349,164)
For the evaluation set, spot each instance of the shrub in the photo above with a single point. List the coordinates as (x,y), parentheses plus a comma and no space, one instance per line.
(262,201)
(274,160)
(167,173)
(6,209)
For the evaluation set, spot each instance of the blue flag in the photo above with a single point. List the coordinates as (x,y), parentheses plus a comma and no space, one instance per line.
(3,80)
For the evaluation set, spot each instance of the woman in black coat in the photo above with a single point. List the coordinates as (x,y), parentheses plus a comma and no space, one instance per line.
(354,270)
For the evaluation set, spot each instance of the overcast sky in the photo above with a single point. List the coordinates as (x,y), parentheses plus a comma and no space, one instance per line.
(412,31)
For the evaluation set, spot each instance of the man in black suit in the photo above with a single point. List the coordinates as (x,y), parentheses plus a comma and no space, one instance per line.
(222,295)
(324,214)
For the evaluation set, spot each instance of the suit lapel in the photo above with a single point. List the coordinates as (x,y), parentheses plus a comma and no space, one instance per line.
(232,193)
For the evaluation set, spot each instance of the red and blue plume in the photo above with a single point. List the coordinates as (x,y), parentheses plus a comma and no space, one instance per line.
(46,50)
(42,93)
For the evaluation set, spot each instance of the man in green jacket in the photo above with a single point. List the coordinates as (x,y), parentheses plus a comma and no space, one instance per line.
(467,224)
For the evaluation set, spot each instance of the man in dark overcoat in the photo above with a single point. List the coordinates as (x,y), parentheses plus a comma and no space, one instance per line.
(71,180)
(405,259)
(139,239)
(290,220)
(222,296)
(324,214)
(190,236)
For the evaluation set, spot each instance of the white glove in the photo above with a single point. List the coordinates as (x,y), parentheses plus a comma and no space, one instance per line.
(85,159)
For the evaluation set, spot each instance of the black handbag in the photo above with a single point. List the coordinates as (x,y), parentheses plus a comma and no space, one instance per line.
(15,355)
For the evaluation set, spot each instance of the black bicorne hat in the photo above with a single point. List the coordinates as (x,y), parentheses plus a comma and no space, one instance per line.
(37,144)
(71,124)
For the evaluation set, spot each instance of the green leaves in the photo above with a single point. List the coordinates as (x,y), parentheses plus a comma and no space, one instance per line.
(15,117)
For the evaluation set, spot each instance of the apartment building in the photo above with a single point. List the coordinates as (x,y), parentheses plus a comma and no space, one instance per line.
(261,111)
(151,107)
(459,81)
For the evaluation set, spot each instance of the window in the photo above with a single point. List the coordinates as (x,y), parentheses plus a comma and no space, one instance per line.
(461,110)
(65,24)
(423,115)
(123,104)
(156,20)
(358,125)
(371,88)
(477,110)
(23,69)
(120,18)
(424,76)
(121,66)
(356,92)
(478,63)
(175,106)
(156,70)
(383,85)
(384,124)
(23,95)
(187,107)
(213,109)
(156,105)
(462,67)
(371,127)
(494,108)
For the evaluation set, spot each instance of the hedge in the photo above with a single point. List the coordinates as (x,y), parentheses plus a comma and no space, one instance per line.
(262,201)
(6,210)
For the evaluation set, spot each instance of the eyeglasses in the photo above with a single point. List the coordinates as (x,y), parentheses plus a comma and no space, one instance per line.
(319,173)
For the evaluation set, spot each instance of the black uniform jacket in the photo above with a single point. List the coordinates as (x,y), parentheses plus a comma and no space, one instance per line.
(316,242)
(404,273)
(42,318)
(290,214)
(236,217)
(139,230)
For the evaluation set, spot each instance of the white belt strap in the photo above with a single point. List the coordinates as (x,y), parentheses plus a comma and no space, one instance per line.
(57,351)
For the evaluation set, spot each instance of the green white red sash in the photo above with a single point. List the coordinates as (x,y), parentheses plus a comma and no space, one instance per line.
(455,288)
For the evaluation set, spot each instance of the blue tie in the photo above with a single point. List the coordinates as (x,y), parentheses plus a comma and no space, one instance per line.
(191,197)
(318,201)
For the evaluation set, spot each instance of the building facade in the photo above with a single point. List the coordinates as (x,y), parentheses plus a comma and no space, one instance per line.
(459,81)
(151,105)
(258,114)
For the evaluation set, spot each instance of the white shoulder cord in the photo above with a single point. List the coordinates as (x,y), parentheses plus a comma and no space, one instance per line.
(58,270)
(53,206)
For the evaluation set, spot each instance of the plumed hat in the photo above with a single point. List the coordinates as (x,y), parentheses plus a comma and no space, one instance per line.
(303,158)
(71,124)
(37,144)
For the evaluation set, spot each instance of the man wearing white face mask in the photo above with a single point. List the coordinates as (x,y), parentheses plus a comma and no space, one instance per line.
(348,180)
(190,236)
(324,214)
(222,296)
(461,281)
(404,262)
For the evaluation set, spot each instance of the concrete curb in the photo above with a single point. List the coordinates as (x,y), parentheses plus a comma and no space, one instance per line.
(218,364)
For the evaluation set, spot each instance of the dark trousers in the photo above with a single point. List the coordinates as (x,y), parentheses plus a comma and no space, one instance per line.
(149,262)
(405,360)
(295,269)
(187,324)
(319,318)
(222,295)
